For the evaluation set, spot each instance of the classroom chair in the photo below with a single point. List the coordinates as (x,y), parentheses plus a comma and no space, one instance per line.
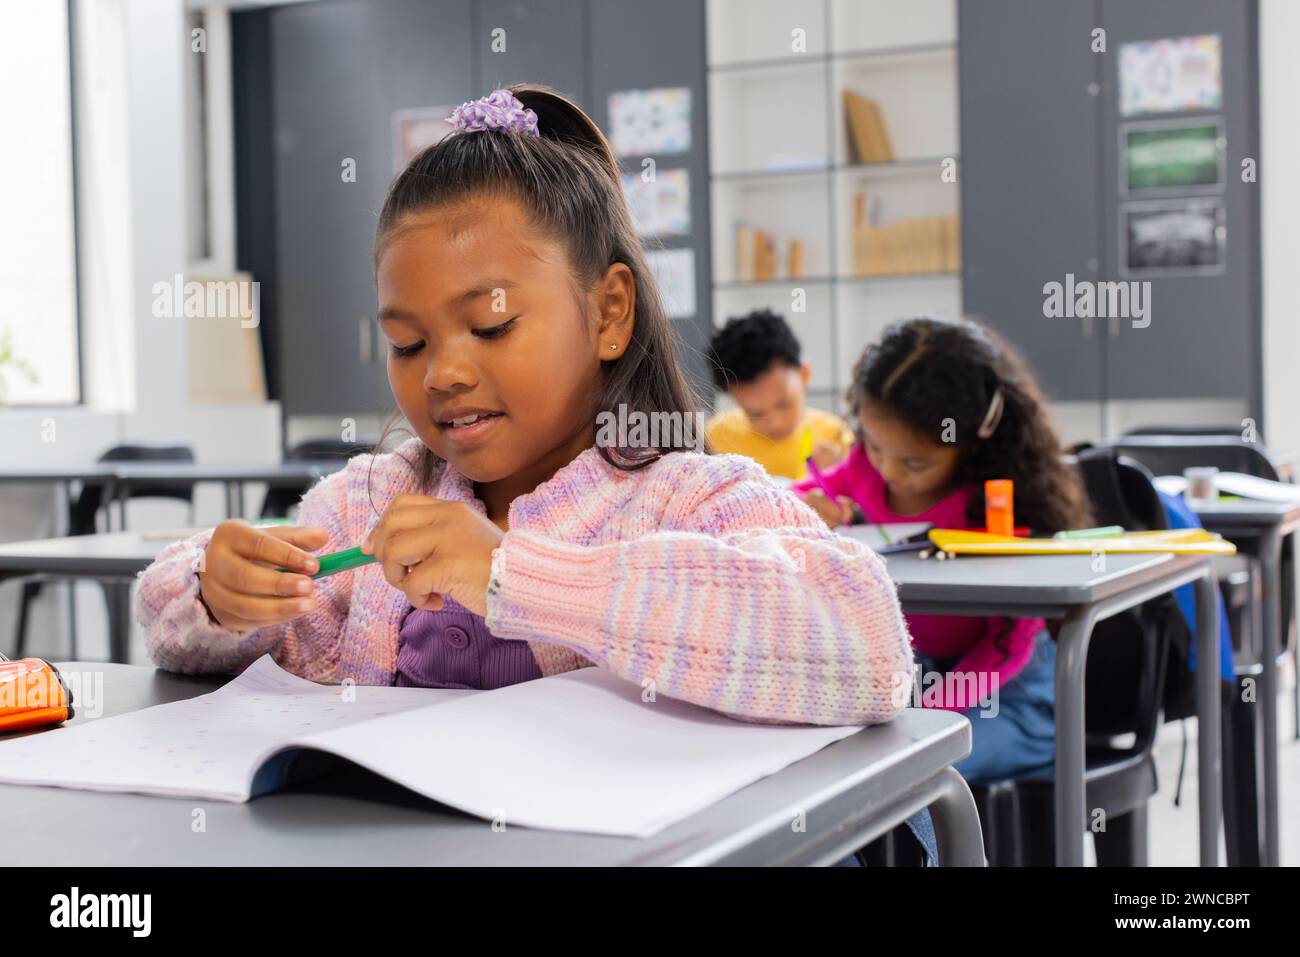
(82,515)
(1174,452)
(1124,682)
(279,499)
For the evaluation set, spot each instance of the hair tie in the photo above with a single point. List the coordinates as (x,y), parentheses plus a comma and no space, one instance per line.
(993,416)
(499,110)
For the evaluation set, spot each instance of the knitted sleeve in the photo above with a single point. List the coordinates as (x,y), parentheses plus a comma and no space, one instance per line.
(180,636)
(744,603)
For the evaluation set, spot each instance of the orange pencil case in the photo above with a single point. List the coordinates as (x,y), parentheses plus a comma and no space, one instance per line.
(32,694)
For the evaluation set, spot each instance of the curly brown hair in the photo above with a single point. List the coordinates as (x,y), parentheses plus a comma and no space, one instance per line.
(940,377)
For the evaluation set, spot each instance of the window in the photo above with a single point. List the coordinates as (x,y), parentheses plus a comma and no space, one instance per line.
(38,291)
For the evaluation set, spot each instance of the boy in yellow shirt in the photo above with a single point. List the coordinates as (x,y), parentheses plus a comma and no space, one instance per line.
(755,360)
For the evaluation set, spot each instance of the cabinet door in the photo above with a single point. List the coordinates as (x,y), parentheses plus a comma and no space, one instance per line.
(329,108)
(669,51)
(1202,341)
(544,42)
(1028,170)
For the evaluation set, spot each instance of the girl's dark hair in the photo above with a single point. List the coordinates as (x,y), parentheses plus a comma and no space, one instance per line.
(569,184)
(940,377)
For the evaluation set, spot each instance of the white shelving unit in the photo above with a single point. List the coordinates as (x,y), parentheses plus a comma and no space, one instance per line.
(780,160)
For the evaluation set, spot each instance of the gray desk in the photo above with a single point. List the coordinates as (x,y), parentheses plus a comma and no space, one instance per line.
(1066,587)
(41,474)
(115,558)
(848,793)
(1259,528)
(233,477)
(118,478)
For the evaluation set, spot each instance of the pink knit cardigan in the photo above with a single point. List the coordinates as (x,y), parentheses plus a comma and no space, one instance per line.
(697,577)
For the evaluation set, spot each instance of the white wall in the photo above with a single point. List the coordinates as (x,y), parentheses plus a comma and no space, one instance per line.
(1279,81)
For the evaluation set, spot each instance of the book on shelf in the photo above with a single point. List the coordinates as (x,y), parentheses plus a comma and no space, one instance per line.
(794,259)
(757,258)
(744,253)
(868,138)
(917,244)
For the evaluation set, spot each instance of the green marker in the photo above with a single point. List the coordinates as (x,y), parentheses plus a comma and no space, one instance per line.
(342,561)
(1104,531)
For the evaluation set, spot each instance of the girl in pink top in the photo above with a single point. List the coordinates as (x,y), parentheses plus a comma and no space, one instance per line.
(533,523)
(939,408)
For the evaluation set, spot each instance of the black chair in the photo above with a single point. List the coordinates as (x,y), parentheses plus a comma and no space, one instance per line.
(280,498)
(82,516)
(1123,690)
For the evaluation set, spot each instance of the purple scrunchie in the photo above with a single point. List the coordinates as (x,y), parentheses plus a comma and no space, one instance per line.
(499,110)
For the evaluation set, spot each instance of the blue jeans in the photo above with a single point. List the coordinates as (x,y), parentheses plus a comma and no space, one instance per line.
(922,828)
(1019,740)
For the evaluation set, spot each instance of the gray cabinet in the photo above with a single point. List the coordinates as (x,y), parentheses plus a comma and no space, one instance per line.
(1203,339)
(338,71)
(317,83)
(636,45)
(1042,197)
(1029,178)
(544,43)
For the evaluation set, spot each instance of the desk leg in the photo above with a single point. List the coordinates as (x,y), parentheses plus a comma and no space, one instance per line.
(230,500)
(1208,716)
(1270,548)
(1070,789)
(957,824)
(118,596)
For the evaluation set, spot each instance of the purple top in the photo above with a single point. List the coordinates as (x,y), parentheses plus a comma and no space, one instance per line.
(452,648)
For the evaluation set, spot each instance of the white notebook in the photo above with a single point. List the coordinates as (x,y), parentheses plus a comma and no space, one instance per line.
(580,751)
(883,536)
(1236,483)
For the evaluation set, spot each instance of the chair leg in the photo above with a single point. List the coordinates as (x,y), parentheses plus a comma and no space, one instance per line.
(1124,843)
(1240,782)
(1036,815)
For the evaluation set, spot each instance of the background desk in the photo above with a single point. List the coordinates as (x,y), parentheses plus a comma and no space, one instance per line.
(848,793)
(1066,587)
(1259,528)
(115,558)
(118,478)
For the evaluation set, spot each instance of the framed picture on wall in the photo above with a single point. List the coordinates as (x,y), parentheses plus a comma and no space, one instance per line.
(1165,156)
(1172,237)
(415,129)
(1171,75)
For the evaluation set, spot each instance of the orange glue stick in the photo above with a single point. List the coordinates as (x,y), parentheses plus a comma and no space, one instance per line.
(999,512)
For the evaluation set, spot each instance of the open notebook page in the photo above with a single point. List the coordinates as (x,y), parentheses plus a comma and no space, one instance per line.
(579,751)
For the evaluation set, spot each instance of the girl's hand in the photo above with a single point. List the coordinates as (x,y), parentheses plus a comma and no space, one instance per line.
(430,548)
(826,454)
(238,581)
(834,514)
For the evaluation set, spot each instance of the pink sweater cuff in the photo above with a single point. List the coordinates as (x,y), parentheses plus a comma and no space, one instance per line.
(180,634)
(542,588)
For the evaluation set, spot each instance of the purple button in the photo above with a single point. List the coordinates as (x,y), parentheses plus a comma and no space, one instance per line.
(457,638)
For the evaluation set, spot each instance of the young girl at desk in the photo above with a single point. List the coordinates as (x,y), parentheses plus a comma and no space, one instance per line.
(940,407)
(514,537)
